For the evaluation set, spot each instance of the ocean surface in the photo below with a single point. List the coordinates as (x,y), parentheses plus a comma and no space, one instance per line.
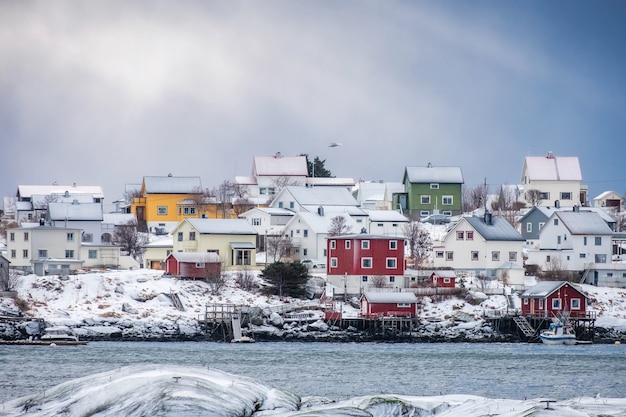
(340,371)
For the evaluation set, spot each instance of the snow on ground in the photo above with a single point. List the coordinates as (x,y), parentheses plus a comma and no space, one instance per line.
(142,297)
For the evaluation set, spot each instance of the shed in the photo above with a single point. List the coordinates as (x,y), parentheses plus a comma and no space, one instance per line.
(443,279)
(551,298)
(389,304)
(193,264)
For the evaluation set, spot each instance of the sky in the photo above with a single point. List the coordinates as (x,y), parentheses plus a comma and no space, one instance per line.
(105,93)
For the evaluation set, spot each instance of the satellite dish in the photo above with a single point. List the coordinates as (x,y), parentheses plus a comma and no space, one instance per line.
(334,144)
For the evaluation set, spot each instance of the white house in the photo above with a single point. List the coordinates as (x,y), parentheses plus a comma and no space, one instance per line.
(572,241)
(85,216)
(310,199)
(267,221)
(386,222)
(556,179)
(610,201)
(485,245)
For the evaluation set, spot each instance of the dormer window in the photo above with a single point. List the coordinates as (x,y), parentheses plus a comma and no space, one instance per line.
(434,186)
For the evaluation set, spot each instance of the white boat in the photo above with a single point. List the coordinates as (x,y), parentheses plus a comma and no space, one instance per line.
(559,334)
(60,335)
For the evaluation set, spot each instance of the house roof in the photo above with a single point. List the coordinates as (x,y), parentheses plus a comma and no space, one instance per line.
(498,229)
(172,185)
(321,224)
(545,288)
(366,236)
(391,297)
(27,191)
(75,212)
(445,273)
(222,226)
(279,165)
(552,168)
(329,181)
(609,194)
(433,174)
(386,216)
(245,180)
(548,211)
(271,211)
(209,257)
(117,218)
(583,223)
(321,196)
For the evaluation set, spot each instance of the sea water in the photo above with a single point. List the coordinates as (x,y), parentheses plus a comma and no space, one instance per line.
(343,370)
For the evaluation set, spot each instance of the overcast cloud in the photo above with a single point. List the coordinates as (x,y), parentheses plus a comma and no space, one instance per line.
(103,93)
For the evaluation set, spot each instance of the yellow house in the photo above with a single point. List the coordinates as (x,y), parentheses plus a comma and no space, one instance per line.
(166,200)
(234,240)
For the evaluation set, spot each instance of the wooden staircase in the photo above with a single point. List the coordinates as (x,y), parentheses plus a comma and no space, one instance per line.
(525,326)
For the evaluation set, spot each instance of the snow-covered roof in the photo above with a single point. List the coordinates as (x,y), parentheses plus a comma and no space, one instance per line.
(434,174)
(497,229)
(222,226)
(172,185)
(27,191)
(583,223)
(445,273)
(365,236)
(552,168)
(544,288)
(322,196)
(329,181)
(321,224)
(386,216)
(334,210)
(117,218)
(245,180)
(609,194)
(23,206)
(391,297)
(166,241)
(279,165)
(209,257)
(71,211)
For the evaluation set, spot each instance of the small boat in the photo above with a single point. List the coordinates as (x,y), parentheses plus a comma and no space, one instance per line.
(559,333)
(243,339)
(60,335)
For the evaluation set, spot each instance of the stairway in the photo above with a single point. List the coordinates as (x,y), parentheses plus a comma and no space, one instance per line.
(236,326)
(176,301)
(524,326)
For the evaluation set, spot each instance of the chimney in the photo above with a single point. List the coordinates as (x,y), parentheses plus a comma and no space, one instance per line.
(488,218)
(550,155)
(557,204)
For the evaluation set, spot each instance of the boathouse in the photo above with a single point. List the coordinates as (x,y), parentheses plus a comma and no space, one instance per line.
(445,278)
(388,304)
(195,265)
(553,298)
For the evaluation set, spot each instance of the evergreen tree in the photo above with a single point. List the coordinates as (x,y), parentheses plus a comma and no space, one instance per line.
(317,168)
(285,279)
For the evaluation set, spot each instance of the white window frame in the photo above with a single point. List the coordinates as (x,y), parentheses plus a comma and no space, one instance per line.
(365,244)
(333,244)
(393,245)
(434,186)
(161,210)
(447,200)
(333,262)
(367,260)
(393,261)
(424,199)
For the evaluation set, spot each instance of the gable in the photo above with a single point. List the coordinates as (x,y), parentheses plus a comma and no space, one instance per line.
(498,230)
(279,166)
(171,185)
(432,174)
(551,168)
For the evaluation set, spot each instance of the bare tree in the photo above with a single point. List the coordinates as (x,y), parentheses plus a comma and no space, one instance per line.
(131,194)
(5,225)
(507,205)
(554,269)
(279,247)
(475,197)
(8,279)
(245,279)
(534,197)
(130,239)
(378,281)
(419,241)
(339,226)
(620,222)
(225,194)
(202,199)
(241,205)
(216,278)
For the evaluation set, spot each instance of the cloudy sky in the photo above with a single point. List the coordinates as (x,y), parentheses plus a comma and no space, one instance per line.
(103,93)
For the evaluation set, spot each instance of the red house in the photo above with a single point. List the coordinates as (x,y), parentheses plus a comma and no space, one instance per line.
(443,279)
(388,304)
(360,261)
(550,298)
(193,264)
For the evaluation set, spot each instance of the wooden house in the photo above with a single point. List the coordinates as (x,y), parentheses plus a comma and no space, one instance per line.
(429,190)
(388,304)
(200,265)
(444,278)
(551,298)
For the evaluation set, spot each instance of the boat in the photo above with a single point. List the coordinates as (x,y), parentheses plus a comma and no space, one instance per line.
(243,339)
(53,336)
(561,333)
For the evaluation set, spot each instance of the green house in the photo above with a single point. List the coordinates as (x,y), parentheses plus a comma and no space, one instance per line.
(431,189)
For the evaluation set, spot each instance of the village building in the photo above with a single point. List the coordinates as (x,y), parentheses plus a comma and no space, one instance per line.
(388,304)
(443,278)
(194,265)
(550,299)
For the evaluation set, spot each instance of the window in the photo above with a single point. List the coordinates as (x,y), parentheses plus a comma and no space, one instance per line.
(25,236)
(366,263)
(242,257)
(425,199)
(469,235)
(439,254)
(347,244)
(474,255)
(424,213)
(70,237)
(446,280)
(495,255)
(575,304)
(305,251)
(393,244)
(12,237)
(434,186)
(544,196)
(600,258)
(180,236)
(192,235)
(364,278)
(256,221)
(529,227)
(391,263)
(271,190)
(447,200)
(93,254)
(13,254)
(460,235)
(162,210)
(449,256)
(566,196)
(556,222)
(598,240)
(585,240)
(556,303)
(512,256)
(558,240)
(541,304)
(582,255)
(333,244)
(280,204)
(25,253)
(392,279)
(189,211)
(291,205)
(365,244)
(305,233)
(525,301)
(447,213)
(540,225)
(69,254)
(403,305)
(333,262)
(42,253)
(262,191)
